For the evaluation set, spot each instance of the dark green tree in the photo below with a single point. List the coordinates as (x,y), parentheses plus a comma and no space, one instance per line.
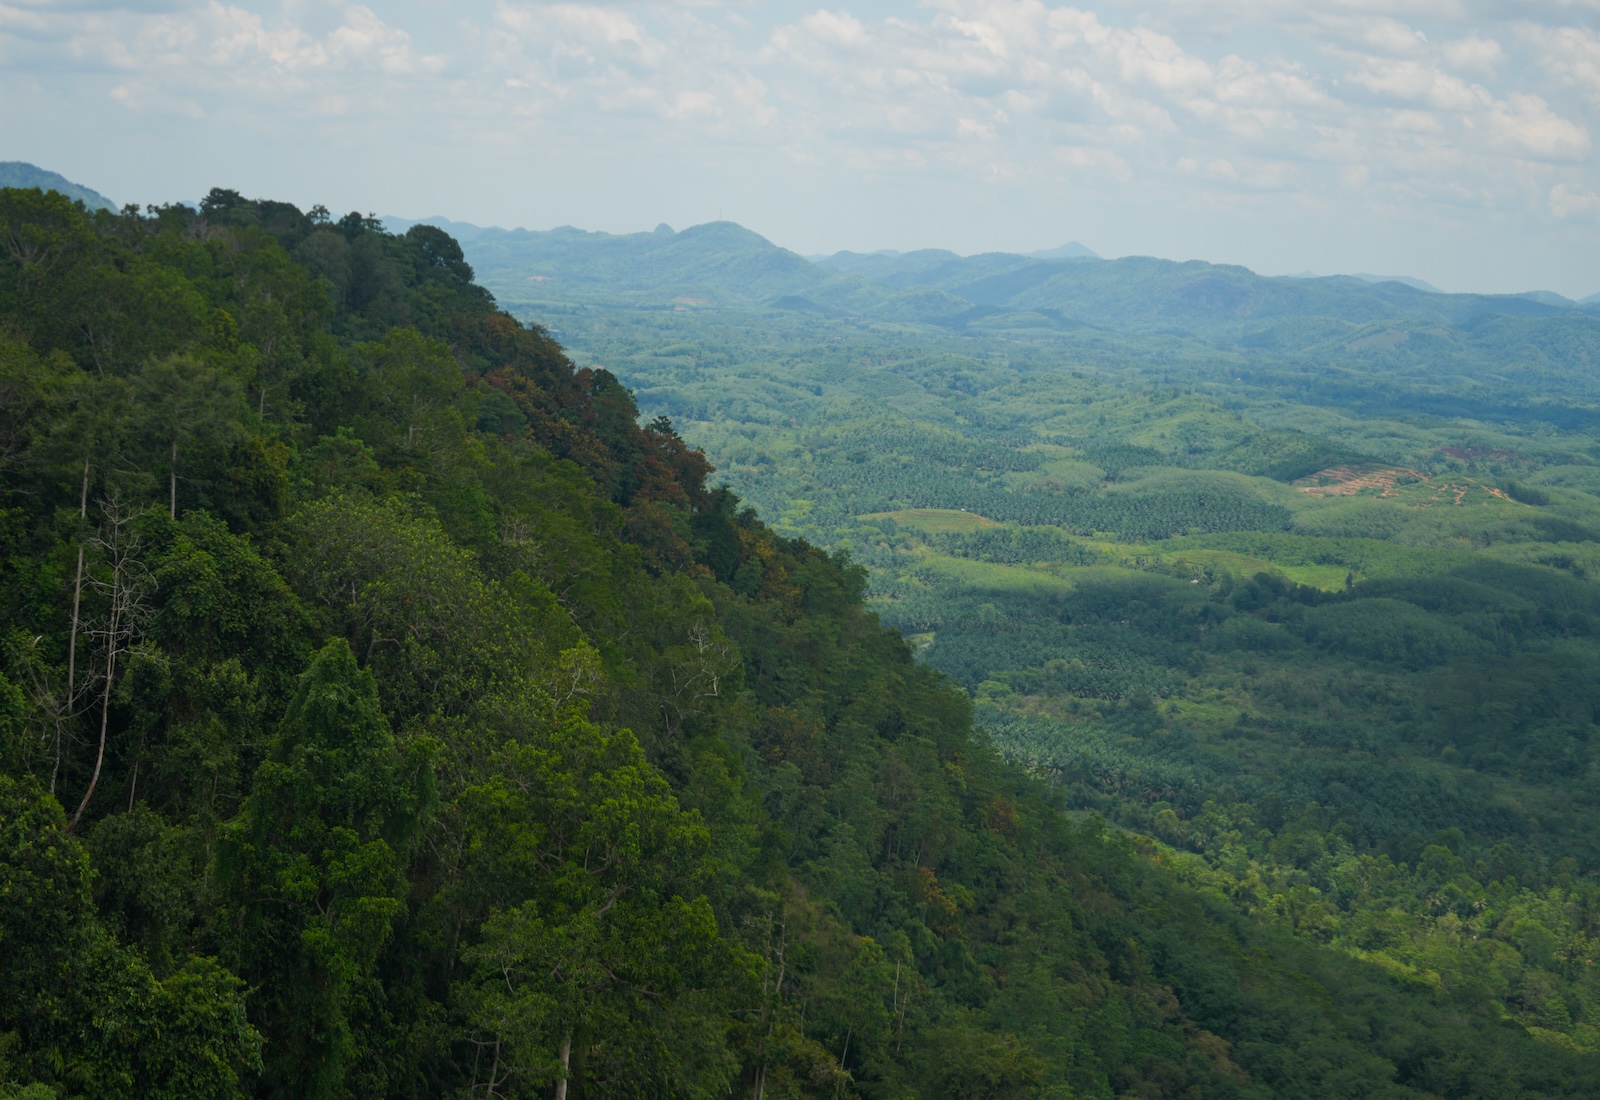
(312,869)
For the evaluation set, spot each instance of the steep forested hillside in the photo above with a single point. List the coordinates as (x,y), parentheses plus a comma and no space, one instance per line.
(387,712)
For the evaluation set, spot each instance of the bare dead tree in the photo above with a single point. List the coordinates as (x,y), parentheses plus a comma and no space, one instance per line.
(123,587)
(771,1002)
(696,674)
(57,708)
(53,709)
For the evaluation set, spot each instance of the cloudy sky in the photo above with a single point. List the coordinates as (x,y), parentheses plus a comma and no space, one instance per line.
(1453,140)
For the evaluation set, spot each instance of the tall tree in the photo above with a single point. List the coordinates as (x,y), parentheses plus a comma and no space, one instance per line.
(313,868)
(599,936)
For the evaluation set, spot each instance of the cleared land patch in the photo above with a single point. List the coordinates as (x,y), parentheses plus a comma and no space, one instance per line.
(1399,483)
(936,521)
(994,577)
(1330,578)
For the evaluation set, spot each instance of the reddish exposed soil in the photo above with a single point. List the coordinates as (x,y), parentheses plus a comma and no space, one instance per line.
(1390,481)
(1350,480)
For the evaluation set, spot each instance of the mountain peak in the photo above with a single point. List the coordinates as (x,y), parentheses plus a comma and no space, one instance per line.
(1072,250)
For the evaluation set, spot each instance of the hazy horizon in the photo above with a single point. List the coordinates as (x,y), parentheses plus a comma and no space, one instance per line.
(1445,140)
(443,219)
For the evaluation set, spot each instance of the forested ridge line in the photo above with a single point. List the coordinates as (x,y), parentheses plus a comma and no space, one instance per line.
(386,712)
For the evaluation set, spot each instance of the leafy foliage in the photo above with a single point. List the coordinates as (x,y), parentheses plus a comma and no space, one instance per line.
(440,731)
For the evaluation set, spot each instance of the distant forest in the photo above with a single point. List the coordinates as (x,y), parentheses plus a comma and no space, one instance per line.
(388,708)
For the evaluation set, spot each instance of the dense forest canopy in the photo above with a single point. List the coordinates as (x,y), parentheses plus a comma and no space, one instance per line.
(389,710)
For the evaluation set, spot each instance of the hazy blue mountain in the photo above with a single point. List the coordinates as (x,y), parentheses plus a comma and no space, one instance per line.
(461,231)
(970,277)
(939,267)
(716,265)
(1141,293)
(17,173)
(720,261)
(1213,302)
(1549,297)
(1403,324)
(886,264)
(1072,250)
(1367,277)
(1407,280)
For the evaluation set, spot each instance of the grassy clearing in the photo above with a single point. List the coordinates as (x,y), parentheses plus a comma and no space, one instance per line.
(1329,578)
(1058,475)
(1306,557)
(936,521)
(1239,563)
(992,577)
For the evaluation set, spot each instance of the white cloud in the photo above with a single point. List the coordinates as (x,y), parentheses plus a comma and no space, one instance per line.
(1571,55)
(1415,105)
(1421,84)
(1527,121)
(197,59)
(835,29)
(1568,202)
(17,20)
(1391,36)
(1473,54)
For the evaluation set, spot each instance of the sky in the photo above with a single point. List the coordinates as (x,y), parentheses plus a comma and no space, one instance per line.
(1449,140)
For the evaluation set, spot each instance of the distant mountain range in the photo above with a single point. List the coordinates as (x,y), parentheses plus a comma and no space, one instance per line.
(1072,250)
(1369,278)
(16,173)
(722,265)
(721,255)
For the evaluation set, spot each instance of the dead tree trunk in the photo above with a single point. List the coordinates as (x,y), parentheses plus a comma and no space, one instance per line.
(124,606)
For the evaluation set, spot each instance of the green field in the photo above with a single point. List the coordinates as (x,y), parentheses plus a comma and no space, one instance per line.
(934,521)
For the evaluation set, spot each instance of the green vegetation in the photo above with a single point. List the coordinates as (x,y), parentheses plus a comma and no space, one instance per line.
(1323,636)
(937,521)
(386,711)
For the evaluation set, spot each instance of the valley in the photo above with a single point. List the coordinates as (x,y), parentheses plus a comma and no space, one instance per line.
(1314,614)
